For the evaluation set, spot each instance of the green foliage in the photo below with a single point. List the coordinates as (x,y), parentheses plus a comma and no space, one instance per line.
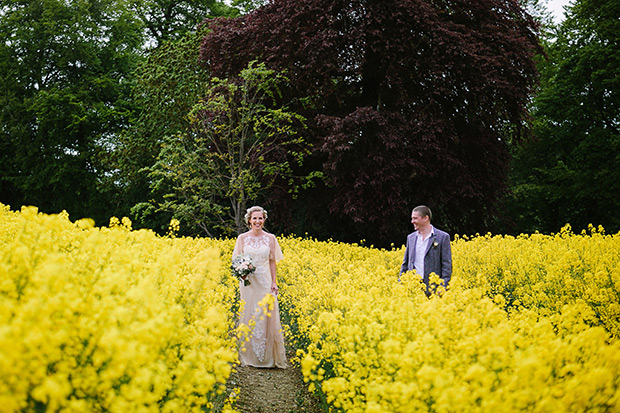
(63,94)
(165,20)
(168,83)
(246,6)
(239,143)
(571,172)
(67,70)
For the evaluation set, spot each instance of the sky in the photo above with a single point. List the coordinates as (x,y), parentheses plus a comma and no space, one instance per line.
(556,9)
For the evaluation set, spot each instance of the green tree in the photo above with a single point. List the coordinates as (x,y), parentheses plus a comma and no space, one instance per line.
(239,143)
(571,172)
(168,84)
(246,6)
(69,89)
(170,19)
(66,68)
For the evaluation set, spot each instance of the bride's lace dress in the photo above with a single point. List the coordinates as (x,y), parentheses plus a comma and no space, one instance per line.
(260,313)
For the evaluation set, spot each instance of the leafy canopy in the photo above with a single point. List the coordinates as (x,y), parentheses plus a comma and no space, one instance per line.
(571,172)
(64,82)
(239,143)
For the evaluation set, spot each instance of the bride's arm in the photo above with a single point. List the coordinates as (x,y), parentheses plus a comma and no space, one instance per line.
(274,283)
(238,246)
(275,255)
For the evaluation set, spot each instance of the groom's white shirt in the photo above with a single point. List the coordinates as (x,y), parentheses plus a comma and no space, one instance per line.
(420,251)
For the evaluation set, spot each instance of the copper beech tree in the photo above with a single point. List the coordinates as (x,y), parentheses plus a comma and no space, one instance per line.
(408,102)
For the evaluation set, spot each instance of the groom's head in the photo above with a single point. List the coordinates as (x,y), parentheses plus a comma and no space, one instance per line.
(421,217)
(423,211)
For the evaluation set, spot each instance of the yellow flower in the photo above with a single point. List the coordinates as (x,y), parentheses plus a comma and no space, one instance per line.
(116,319)
(100,319)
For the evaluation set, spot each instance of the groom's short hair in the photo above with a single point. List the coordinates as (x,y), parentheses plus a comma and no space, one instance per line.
(424,211)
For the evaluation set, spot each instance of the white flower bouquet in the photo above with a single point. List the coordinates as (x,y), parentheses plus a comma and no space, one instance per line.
(242,266)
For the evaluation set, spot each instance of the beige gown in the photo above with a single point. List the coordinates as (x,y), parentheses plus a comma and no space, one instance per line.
(265,347)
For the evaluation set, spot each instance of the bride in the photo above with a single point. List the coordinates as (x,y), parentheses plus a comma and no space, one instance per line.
(260,312)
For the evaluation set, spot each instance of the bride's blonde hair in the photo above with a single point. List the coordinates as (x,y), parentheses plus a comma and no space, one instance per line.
(251,210)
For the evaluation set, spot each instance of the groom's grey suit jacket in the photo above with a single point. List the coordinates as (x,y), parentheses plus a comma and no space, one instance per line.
(438,257)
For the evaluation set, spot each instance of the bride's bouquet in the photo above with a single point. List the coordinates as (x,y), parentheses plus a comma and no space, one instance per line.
(242,266)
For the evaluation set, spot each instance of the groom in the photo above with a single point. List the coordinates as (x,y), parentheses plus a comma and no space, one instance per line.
(428,249)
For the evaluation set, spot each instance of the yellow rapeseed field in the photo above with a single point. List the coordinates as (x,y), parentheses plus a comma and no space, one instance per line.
(113,319)
(528,324)
(109,319)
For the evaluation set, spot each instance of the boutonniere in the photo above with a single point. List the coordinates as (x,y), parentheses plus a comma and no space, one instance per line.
(435,243)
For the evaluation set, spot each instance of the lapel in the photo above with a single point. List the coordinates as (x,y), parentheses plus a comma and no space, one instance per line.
(431,241)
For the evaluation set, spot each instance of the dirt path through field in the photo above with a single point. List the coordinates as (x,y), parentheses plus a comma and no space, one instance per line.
(272,390)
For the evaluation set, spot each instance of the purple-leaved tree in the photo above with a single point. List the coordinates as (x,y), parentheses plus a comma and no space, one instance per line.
(408,102)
